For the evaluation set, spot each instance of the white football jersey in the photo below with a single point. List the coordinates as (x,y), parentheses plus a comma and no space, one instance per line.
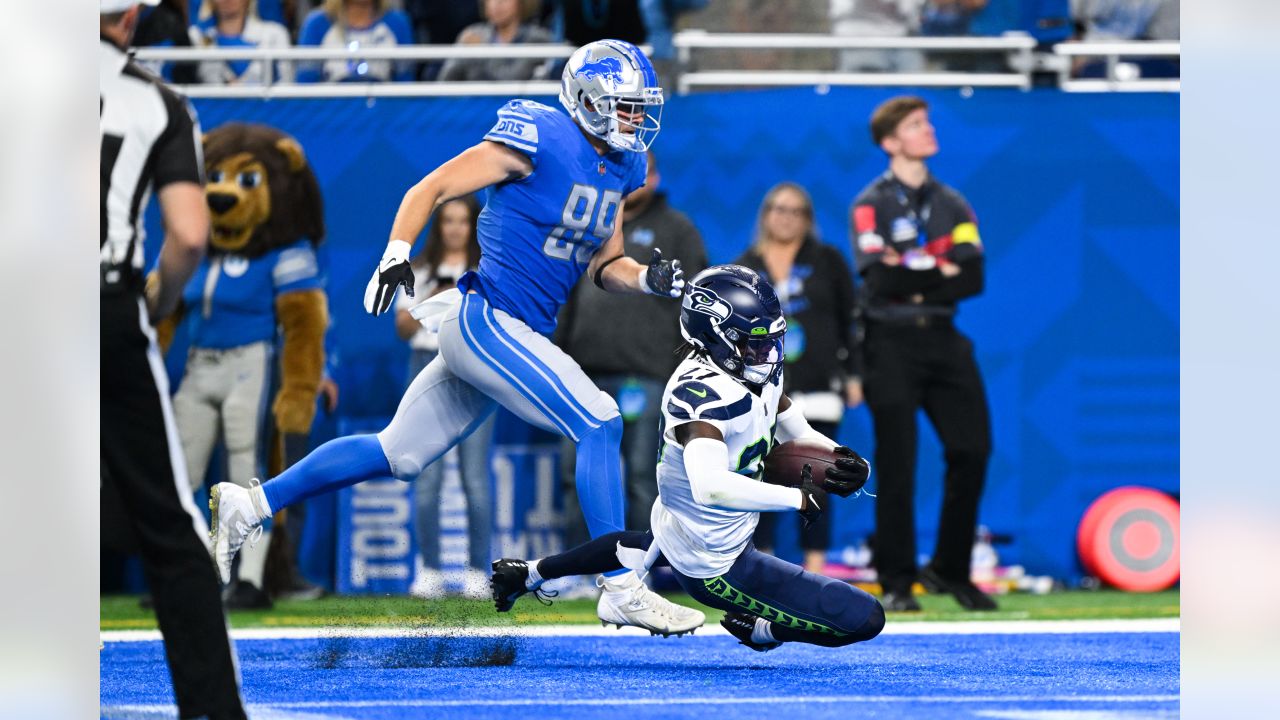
(697,540)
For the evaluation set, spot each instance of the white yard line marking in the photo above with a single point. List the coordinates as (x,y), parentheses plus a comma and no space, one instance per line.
(994,627)
(1171,714)
(787,700)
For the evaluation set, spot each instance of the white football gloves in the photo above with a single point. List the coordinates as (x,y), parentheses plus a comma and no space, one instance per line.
(393,271)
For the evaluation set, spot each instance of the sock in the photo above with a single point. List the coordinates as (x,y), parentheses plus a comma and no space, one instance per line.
(598,476)
(535,580)
(253,561)
(590,558)
(335,464)
(623,579)
(260,503)
(763,632)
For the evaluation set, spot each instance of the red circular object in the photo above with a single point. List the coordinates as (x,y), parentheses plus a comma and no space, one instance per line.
(1130,539)
(1141,540)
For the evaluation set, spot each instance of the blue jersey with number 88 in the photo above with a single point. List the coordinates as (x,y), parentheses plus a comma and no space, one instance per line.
(537,234)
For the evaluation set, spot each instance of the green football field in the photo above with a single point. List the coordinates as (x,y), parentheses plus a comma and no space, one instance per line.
(124,613)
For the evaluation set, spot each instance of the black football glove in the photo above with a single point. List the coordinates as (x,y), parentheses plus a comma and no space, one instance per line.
(812,497)
(849,474)
(664,277)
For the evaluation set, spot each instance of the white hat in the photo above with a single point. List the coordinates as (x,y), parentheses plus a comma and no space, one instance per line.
(115,6)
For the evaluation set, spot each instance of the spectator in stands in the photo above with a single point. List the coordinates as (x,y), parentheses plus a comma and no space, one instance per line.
(269,10)
(451,250)
(235,24)
(949,18)
(632,359)
(1048,21)
(1119,20)
(815,286)
(438,22)
(1104,20)
(505,23)
(165,25)
(583,21)
(877,18)
(354,24)
(659,21)
(954,18)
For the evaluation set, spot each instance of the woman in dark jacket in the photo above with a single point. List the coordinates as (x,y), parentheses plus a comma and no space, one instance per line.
(815,286)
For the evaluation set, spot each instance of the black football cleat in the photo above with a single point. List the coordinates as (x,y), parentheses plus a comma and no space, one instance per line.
(244,595)
(964,591)
(899,602)
(510,580)
(741,625)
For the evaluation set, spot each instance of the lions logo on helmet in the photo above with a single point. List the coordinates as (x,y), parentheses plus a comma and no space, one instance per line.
(611,89)
(733,317)
(609,68)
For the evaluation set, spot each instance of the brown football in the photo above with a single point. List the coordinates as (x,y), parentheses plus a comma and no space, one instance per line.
(783,464)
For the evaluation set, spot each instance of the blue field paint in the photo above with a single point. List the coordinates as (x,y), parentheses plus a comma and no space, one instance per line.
(943,676)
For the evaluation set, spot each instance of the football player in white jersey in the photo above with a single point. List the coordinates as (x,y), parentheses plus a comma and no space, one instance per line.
(722,410)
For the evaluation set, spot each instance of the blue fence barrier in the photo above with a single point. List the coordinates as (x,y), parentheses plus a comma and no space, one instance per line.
(1077,198)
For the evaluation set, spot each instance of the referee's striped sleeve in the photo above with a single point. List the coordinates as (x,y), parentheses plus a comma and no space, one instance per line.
(179,155)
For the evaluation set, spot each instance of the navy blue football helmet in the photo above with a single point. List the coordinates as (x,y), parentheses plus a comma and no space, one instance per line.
(733,315)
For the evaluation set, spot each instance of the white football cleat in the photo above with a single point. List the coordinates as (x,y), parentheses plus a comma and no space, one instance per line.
(236,516)
(428,584)
(626,601)
(475,585)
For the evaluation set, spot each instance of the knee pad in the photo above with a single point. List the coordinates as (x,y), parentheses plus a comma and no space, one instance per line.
(608,406)
(406,463)
(853,612)
(874,623)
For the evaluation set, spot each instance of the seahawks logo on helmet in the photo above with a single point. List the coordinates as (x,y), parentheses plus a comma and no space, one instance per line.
(702,300)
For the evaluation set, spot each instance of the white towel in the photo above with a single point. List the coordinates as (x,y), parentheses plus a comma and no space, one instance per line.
(430,312)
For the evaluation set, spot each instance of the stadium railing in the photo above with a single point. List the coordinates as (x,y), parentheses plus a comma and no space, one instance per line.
(276,89)
(1020,50)
(688,41)
(1119,78)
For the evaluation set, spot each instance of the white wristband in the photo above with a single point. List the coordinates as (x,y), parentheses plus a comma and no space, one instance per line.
(397,251)
(641,280)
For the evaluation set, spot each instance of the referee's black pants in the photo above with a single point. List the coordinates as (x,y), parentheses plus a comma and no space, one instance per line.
(929,367)
(142,465)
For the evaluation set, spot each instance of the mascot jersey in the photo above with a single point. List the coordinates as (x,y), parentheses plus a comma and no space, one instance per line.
(231,298)
(697,540)
(537,234)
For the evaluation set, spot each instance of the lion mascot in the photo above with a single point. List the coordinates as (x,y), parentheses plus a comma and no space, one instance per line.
(261,280)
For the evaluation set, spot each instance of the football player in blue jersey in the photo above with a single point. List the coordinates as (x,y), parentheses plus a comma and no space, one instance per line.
(557,184)
(722,409)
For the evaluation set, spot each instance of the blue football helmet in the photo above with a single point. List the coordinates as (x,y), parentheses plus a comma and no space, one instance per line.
(733,315)
(607,78)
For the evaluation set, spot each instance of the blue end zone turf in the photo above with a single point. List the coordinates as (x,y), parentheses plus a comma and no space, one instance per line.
(1121,675)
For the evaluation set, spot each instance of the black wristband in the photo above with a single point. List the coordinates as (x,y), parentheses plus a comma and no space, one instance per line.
(598,277)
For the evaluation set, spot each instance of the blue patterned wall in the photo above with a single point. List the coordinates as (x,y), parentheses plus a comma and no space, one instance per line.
(1077,198)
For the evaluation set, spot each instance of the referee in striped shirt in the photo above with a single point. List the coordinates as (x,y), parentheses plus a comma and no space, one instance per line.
(151,141)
